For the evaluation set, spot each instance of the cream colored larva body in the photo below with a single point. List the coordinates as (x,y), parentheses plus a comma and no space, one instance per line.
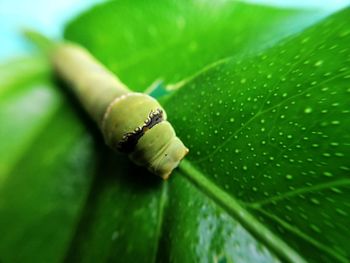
(124,117)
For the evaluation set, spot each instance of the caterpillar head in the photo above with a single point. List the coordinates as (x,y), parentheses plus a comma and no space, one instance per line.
(136,124)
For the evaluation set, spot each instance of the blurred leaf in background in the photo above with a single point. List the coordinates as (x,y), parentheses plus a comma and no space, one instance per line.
(259,93)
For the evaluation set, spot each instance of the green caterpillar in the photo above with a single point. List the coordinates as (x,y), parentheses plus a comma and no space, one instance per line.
(133,123)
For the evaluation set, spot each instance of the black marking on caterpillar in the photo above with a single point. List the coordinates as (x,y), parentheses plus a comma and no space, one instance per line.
(130,139)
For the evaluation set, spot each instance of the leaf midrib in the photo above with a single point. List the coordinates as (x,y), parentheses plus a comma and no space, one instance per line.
(233,207)
(219,196)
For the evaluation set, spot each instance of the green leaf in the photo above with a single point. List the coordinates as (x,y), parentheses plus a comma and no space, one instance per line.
(179,37)
(273,132)
(266,121)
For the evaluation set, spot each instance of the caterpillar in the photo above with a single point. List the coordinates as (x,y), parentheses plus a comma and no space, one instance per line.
(131,122)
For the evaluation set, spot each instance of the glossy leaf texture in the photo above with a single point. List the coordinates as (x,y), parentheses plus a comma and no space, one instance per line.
(266,121)
(273,131)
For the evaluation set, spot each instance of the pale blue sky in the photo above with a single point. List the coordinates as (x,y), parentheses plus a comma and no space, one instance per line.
(49,17)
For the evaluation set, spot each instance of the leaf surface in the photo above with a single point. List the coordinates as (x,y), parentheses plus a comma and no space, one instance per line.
(266,121)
